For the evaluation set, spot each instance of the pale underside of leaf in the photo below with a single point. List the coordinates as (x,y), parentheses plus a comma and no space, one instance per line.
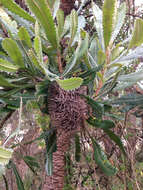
(137,38)
(121,14)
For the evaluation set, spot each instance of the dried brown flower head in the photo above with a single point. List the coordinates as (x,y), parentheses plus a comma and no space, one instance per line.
(67,109)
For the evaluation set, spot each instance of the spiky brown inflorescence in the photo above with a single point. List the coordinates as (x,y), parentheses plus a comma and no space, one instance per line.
(67,6)
(67,111)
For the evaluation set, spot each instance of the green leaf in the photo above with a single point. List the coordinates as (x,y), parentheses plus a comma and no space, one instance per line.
(35,60)
(51,3)
(80,51)
(133,77)
(129,99)
(19,182)
(50,140)
(49,164)
(7,66)
(4,82)
(42,12)
(77,148)
(98,23)
(132,55)
(13,7)
(60,22)
(102,161)
(13,51)
(96,107)
(121,14)
(108,20)
(74,25)
(137,38)
(56,8)
(38,48)
(71,83)
(5,155)
(24,36)
(103,124)
(31,163)
(116,139)
(9,24)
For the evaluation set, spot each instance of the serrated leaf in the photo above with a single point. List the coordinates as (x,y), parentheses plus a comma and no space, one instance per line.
(4,82)
(116,139)
(9,24)
(50,140)
(109,7)
(102,161)
(103,124)
(20,185)
(71,83)
(35,60)
(137,38)
(97,12)
(43,14)
(121,14)
(80,51)
(38,48)
(56,8)
(73,25)
(131,78)
(132,55)
(7,66)
(13,51)
(31,163)
(96,107)
(60,22)
(130,99)
(13,7)
(25,37)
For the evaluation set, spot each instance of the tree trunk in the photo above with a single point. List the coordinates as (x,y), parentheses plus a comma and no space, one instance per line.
(56,181)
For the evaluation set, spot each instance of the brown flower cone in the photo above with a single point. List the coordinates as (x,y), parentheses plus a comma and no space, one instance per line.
(67,111)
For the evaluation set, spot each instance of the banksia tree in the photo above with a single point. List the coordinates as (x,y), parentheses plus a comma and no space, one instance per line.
(62,78)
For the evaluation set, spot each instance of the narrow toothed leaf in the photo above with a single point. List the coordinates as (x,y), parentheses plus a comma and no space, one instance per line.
(121,14)
(14,8)
(25,37)
(109,8)
(97,12)
(74,25)
(70,84)
(13,51)
(43,14)
(7,66)
(137,38)
(60,22)
(102,161)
